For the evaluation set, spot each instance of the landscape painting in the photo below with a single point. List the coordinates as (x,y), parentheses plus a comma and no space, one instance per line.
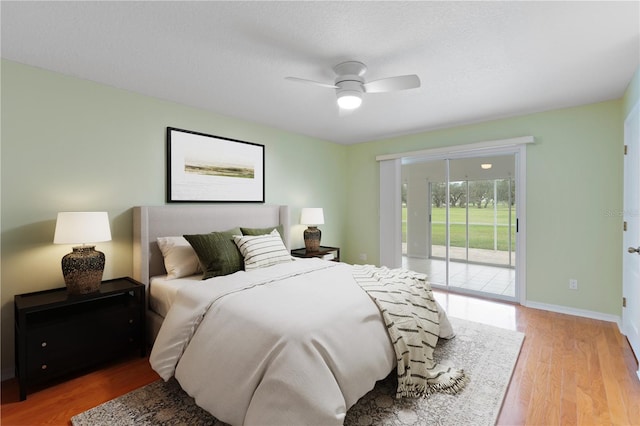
(208,168)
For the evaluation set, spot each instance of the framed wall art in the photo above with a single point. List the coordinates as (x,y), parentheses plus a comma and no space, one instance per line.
(207,168)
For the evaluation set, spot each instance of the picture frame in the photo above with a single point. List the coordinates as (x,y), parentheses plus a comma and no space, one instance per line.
(203,168)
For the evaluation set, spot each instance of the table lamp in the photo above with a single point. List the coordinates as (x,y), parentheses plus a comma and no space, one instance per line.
(82,268)
(312,216)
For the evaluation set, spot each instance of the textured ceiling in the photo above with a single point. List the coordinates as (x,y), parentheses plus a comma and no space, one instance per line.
(477,60)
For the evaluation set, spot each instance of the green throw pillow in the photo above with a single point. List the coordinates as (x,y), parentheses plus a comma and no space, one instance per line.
(217,252)
(263,231)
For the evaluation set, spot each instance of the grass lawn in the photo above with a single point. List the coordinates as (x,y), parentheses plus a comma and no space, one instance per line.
(476,215)
(480,228)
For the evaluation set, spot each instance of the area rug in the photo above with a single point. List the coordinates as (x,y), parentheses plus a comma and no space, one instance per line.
(487,354)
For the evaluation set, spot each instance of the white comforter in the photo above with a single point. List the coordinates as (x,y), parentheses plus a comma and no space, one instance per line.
(292,344)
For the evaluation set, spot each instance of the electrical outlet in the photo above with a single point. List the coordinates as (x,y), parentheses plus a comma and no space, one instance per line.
(573,284)
(363,256)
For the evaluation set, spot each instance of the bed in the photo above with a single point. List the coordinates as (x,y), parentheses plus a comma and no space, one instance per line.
(153,222)
(295,342)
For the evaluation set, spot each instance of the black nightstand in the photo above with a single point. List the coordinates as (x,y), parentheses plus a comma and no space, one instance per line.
(324,252)
(57,333)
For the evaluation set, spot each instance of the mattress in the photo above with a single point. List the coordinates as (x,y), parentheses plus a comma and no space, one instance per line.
(162,292)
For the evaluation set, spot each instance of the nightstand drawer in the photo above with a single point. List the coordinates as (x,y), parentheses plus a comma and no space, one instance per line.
(81,340)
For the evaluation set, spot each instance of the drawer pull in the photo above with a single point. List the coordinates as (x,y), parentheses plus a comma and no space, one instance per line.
(44,366)
(43,344)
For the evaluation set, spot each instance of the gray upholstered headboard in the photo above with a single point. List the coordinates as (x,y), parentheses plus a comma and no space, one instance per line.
(151,222)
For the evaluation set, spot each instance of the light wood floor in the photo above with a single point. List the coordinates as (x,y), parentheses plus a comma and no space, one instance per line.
(571,371)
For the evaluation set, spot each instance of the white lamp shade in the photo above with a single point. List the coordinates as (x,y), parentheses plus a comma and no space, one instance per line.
(312,216)
(82,228)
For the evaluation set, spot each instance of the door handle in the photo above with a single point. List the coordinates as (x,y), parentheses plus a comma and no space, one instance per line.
(633,250)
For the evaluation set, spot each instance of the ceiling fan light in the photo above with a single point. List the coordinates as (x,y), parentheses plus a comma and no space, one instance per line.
(349,100)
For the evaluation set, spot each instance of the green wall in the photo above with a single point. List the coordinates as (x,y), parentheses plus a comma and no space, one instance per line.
(574,189)
(70,144)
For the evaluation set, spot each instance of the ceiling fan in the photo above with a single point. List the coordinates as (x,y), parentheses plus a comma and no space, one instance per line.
(350,84)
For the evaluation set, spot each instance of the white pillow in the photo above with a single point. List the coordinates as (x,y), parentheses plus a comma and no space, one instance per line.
(180,260)
(260,251)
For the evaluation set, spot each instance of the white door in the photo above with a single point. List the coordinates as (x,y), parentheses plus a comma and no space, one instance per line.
(631,238)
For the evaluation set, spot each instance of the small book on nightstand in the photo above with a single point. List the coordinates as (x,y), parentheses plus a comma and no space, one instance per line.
(324,252)
(329,256)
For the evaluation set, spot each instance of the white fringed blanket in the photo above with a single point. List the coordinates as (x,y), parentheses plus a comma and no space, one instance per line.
(411,315)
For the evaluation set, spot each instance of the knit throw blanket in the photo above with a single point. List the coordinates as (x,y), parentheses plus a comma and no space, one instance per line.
(410,313)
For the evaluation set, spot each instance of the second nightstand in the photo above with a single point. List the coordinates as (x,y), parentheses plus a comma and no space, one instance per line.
(324,252)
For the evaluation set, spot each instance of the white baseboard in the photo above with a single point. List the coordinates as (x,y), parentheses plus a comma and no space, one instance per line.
(577,312)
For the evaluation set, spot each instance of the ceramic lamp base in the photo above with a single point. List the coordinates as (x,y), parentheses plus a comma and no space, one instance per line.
(82,270)
(312,238)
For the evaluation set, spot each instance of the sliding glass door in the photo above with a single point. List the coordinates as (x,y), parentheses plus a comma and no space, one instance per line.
(459,223)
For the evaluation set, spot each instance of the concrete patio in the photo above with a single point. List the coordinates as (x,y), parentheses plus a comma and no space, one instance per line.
(491,275)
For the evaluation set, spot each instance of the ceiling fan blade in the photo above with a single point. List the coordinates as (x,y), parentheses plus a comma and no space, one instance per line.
(315,83)
(391,84)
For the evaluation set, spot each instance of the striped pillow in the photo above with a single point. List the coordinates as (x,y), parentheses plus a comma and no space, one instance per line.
(260,251)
